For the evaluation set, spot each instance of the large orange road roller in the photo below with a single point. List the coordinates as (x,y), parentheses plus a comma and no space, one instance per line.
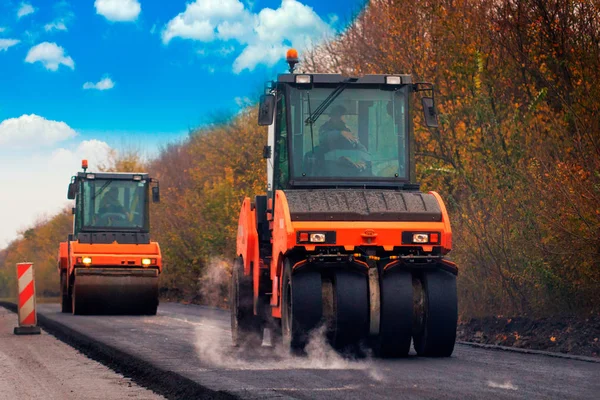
(109,265)
(344,237)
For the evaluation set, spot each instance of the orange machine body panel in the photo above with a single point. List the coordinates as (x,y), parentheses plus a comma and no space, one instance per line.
(349,234)
(247,237)
(114,255)
(63,256)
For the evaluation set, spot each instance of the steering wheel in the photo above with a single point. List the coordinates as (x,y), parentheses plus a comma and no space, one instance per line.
(108,217)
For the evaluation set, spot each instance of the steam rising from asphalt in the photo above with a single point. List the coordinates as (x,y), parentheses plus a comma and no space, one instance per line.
(213,285)
(215,349)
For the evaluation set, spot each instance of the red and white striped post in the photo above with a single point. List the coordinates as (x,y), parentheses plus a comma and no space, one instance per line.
(27,312)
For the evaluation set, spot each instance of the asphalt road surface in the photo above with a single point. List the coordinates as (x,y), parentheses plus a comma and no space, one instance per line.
(195,342)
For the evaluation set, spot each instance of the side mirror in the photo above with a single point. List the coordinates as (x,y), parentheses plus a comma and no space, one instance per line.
(429,112)
(72,191)
(156,194)
(266,109)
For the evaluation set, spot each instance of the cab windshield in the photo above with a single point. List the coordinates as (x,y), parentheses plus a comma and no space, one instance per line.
(113,205)
(360,136)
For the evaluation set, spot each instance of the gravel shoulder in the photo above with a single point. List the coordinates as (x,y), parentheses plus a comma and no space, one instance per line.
(42,367)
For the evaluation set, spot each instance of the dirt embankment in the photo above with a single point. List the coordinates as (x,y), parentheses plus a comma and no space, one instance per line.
(571,335)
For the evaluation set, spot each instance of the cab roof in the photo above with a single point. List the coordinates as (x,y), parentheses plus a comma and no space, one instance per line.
(338,78)
(125,176)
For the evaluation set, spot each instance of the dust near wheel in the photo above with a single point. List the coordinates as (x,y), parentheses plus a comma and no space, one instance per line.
(246,329)
(436,313)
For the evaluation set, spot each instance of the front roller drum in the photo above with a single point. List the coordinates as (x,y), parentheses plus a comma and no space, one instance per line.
(396,316)
(115,291)
(246,328)
(301,306)
(436,313)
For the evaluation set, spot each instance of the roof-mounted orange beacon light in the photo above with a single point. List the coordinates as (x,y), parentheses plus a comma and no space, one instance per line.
(292,59)
(84,165)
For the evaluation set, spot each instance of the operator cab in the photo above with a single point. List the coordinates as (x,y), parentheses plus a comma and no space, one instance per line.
(111,206)
(327,130)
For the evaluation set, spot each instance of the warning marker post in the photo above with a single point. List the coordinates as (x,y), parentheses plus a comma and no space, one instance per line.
(27,311)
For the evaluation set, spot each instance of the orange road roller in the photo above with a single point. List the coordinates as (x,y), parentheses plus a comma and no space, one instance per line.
(343,238)
(108,265)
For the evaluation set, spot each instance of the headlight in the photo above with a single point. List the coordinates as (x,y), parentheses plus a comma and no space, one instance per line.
(146,261)
(393,80)
(86,260)
(303,78)
(317,238)
(421,238)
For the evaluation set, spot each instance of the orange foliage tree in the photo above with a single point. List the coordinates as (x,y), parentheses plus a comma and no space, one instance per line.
(517,152)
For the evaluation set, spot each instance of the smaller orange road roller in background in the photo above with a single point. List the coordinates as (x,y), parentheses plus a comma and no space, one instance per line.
(109,265)
(344,237)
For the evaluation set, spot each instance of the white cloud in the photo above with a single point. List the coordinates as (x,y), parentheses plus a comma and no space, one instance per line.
(50,55)
(202,19)
(103,84)
(118,10)
(25,9)
(33,131)
(6,43)
(40,183)
(266,34)
(55,26)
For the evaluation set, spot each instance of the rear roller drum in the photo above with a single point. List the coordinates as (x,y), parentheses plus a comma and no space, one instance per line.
(436,313)
(246,328)
(350,322)
(301,306)
(396,314)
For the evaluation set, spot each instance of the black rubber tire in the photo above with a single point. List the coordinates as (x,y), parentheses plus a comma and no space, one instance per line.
(301,306)
(437,334)
(246,328)
(77,307)
(350,324)
(396,318)
(151,309)
(66,305)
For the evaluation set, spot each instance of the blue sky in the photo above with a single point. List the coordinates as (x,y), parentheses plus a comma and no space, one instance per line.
(81,77)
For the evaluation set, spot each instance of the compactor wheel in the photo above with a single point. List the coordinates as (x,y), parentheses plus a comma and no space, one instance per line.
(350,317)
(246,329)
(396,316)
(66,302)
(436,313)
(78,306)
(301,306)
